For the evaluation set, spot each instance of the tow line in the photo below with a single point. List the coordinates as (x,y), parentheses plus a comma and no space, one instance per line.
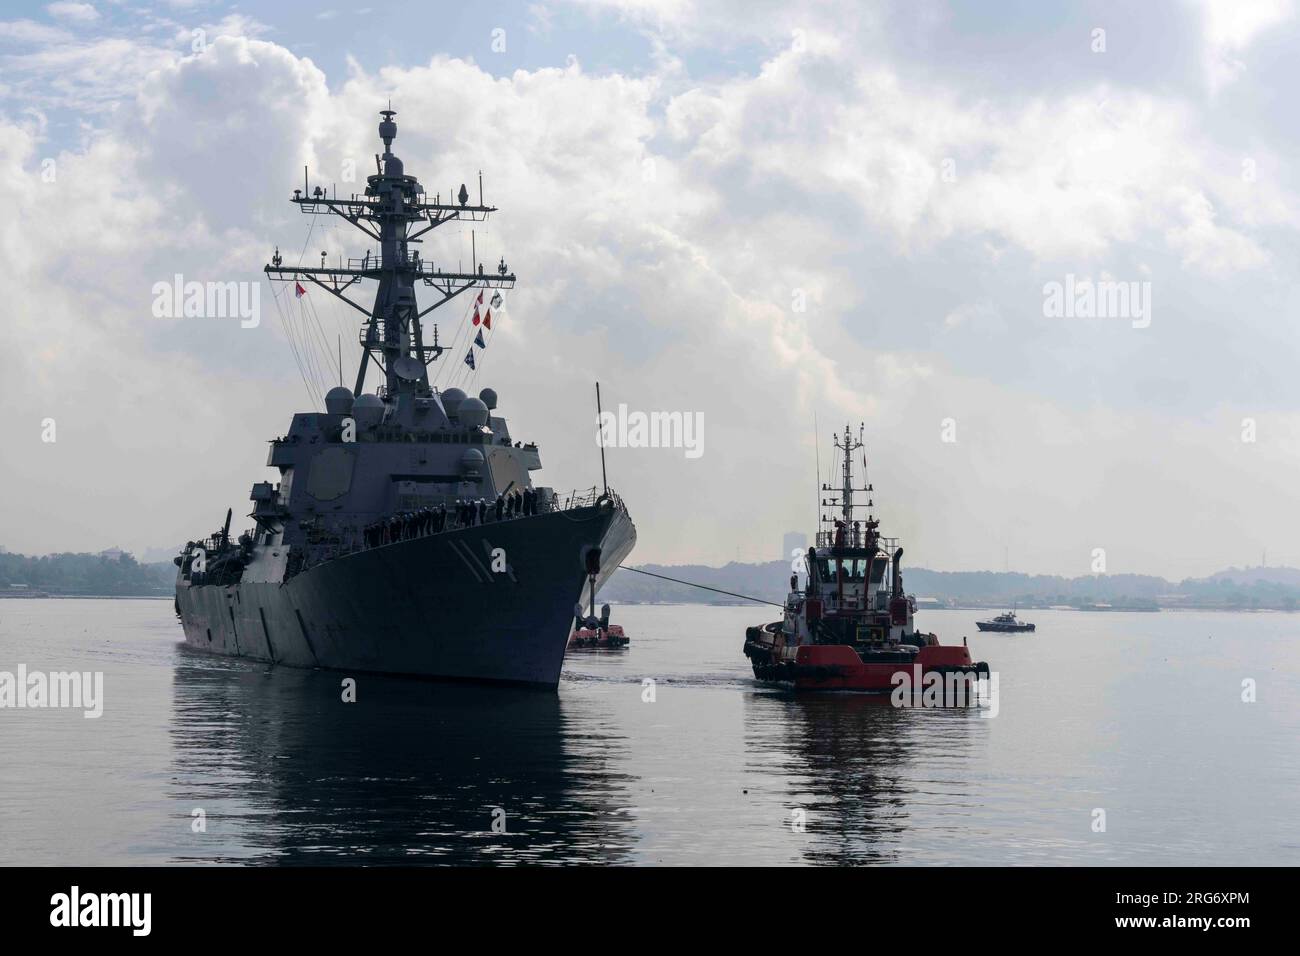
(702,587)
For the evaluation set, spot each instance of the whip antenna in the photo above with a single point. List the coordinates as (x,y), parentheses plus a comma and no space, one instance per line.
(600,439)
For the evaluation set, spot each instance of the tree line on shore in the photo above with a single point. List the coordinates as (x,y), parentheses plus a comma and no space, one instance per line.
(1251,588)
(85,574)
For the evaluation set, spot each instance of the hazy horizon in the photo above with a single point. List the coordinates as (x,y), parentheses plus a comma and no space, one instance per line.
(1051,269)
(164,555)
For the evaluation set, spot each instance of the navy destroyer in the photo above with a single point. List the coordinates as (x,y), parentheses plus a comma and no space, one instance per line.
(405,534)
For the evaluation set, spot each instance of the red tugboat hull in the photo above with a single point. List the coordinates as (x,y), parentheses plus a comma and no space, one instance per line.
(838,667)
(814,667)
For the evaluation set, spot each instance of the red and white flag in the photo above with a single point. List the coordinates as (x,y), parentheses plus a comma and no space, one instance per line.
(487,320)
(298,290)
(477,320)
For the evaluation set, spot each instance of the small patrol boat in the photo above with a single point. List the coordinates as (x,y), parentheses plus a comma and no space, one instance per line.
(1005,623)
(852,626)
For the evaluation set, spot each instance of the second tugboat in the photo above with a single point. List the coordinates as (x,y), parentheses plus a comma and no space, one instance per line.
(852,626)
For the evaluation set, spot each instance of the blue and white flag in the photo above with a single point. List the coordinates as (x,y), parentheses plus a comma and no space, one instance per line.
(478,340)
(469,358)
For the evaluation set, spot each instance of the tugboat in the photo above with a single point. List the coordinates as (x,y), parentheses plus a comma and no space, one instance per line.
(1005,623)
(852,626)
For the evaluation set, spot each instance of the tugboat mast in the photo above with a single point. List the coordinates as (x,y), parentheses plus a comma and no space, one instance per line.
(843,497)
(848,447)
(393,212)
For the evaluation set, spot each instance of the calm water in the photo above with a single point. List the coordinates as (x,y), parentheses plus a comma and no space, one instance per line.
(1138,714)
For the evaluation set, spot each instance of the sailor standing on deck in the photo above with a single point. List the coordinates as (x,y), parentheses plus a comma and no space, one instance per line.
(500,506)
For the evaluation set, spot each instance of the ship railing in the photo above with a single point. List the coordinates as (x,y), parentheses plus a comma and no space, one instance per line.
(326,544)
(213,543)
(424,268)
(826,539)
(585,498)
(375,260)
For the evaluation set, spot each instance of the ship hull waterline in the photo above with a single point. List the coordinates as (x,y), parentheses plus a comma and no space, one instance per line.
(429,607)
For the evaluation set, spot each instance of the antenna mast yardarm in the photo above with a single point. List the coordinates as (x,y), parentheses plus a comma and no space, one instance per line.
(393,212)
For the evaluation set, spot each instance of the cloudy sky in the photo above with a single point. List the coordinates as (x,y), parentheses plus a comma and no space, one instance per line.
(766,213)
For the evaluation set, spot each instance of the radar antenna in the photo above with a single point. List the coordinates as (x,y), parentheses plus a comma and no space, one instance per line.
(394,213)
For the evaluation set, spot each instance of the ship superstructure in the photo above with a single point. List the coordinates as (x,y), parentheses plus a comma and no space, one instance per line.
(404,534)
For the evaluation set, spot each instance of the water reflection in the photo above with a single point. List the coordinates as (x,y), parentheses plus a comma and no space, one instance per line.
(411,772)
(860,767)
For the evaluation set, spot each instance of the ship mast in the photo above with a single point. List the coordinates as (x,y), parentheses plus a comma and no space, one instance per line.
(393,211)
(843,497)
(848,446)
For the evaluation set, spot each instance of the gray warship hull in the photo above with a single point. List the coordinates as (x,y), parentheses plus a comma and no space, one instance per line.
(430,606)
